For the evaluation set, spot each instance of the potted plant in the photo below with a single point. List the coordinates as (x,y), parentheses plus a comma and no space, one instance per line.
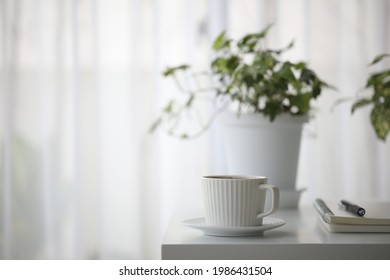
(270,99)
(379,83)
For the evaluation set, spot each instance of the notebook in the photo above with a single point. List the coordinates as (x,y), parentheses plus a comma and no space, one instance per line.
(335,219)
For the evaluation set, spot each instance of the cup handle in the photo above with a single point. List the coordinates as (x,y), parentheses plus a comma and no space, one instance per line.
(275,199)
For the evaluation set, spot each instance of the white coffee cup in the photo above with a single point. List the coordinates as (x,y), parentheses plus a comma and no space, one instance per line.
(237,201)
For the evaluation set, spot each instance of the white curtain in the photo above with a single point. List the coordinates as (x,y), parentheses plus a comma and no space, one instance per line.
(80,85)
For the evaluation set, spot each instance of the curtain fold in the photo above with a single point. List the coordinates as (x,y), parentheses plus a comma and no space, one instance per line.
(81,83)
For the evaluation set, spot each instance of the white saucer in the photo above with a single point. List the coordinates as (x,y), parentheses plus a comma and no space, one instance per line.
(199,223)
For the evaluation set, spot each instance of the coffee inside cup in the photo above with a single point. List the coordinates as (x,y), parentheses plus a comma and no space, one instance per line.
(237,177)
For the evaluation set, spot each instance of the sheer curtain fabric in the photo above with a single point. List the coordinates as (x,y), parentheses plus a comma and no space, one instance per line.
(80,85)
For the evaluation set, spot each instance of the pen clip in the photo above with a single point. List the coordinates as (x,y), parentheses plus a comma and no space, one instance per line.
(342,206)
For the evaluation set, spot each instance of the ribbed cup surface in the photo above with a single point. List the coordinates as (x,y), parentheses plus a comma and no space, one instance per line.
(233,202)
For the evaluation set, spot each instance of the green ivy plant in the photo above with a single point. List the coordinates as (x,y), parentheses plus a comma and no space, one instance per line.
(379,83)
(253,78)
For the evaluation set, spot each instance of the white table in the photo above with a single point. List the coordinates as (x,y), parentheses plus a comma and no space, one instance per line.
(302,237)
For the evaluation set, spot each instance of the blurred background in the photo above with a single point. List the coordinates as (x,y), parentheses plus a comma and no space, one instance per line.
(81,84)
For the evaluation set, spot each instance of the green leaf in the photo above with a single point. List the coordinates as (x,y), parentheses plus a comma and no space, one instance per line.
(307,76)
(155,125)
(360,103)
(289,46)
(380,119)
(219,65)
(232,63)
(272,109)
(264,32)
(299,66)
(190,101)
(287,73)
(317,87)
(172,70)
(378,78)
(221,42)
(379,58)
(266,60)
(169,107)
(225,64)
(249,41)
(302,102)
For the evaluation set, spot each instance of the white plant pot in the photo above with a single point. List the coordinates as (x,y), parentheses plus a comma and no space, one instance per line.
(255,146)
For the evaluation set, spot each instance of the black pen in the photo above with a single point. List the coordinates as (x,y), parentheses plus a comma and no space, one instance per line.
(353,208)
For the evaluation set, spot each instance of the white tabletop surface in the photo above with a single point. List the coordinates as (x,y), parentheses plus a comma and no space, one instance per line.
(302,237)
